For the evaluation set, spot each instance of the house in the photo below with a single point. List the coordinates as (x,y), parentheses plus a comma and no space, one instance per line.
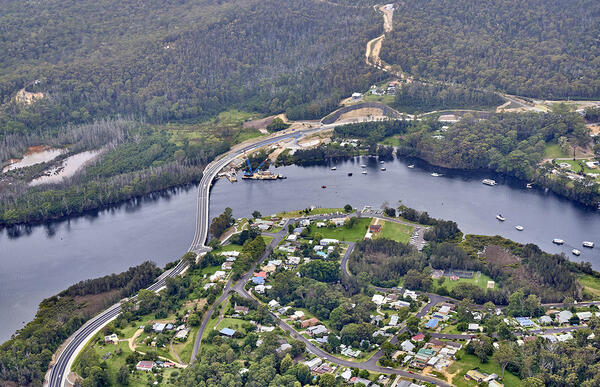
(424,354)
(283,347)
(227,266)
(182,334)
(444,309)
(219,275)
(432,323)
(495,383)
(346,375)
(262,274)
(475,375)
(269,268)
(275,262)
(230,253)
(454,345)
(418,337)
(298,315)
(208,286)
(377,299)
(376,319)
(227,332)
(584,316)
(144,365)
(340,221)
(111,339)
(351,352)
(410,294)
(320,224)
(356,380)
(524,322)
(374,228)
(305,222)
(316,330)
(318,248)
(258,281)
(565,337)
(356,96)
(263,227)
(241,309)
(564,316)
(328,241)
(435,343)
(400,304)
(293,260)
(158,327)
(474,327)
(292,237)
(314,363)
(273,304)
(309,323)
(393,320)
(545,320)
(407,346)
(323,369)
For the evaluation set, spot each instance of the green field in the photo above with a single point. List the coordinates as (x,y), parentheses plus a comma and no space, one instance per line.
(553,151)
(469,362)
(316,211)
(591,284)
(384,99)
(343,233)
(395,231)
(480,281)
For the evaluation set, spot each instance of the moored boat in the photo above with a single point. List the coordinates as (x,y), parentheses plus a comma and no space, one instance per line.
(588,244)
(500,217)
(364,172)
(558,241)
(489,182)
(333,168)
(520,228)
(383,168)
(411,166)
(576,252)
(435,174)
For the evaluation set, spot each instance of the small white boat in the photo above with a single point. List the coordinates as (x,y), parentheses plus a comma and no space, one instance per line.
(435,174)
(383,168)
(411,166)
(520,228)
(333,168)
(500,217)
(363,166)
(588,244)
(381,162)
(558,241)
(529,185)
(364,172)
(576,252)
(489,182)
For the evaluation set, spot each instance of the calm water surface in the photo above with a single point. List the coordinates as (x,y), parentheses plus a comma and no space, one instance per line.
(43,260)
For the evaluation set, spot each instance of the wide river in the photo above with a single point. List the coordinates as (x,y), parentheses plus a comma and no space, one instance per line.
(40,261)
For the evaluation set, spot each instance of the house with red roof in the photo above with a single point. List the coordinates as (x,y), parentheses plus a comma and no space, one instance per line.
(418,337)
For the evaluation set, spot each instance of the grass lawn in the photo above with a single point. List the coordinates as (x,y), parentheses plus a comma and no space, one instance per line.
(184,350)
(343,233)
(480,281)
(230,247)
(316,211)
(469,362)
(384,99)
(591,284)
(267,239)
(392,140)
(395,231)
(553,151)
(233,323)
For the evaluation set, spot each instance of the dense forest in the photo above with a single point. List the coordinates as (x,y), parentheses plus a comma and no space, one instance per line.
(420,97)
(538,48)
(178,60)
(25,357)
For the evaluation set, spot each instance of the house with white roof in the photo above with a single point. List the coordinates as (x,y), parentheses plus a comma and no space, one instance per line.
(377,299)
(563,316)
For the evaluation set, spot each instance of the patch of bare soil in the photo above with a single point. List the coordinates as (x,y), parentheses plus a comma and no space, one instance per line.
(594,129)
(361,113)
(262,123)
(27,98)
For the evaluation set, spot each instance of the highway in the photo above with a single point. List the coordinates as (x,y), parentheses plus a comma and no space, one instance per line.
(74,344)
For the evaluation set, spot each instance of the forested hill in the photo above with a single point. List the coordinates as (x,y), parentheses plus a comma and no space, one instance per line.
(536,48)
(178,60)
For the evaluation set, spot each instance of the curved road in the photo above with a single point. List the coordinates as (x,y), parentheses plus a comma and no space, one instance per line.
(64,361)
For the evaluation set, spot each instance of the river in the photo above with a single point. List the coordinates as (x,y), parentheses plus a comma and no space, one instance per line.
(39,261)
